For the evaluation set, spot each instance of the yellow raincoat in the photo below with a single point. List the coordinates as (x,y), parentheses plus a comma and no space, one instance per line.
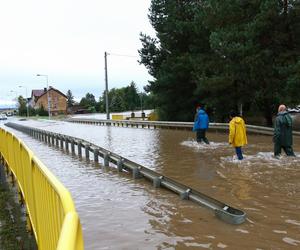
(237,132)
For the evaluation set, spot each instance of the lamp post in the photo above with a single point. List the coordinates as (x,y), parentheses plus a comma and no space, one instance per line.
(16,93)
(106,85)
(49,115)
(26,99)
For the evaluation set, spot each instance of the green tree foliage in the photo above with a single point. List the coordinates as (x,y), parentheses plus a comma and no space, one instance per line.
(70,99)
(41,111)
(22,106)
(131,96)
(125,99)
(169,57)
(88,101)
(228,54)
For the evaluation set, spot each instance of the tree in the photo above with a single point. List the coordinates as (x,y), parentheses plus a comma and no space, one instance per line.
(22,106)
(255,52)
(70,99)
(169,57)
(41,111)
(88,101)
(132,97)
(244,54)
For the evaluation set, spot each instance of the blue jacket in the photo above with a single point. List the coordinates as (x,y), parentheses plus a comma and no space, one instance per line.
(201,121)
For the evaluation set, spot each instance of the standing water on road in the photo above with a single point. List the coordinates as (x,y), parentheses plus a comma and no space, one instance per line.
(120,213)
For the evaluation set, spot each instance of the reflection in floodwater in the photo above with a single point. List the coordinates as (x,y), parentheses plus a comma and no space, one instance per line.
(120,213)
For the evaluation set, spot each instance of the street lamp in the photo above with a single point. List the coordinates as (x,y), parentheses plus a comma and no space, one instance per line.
(106,85)
(27,104)
(48,100)
(16,93)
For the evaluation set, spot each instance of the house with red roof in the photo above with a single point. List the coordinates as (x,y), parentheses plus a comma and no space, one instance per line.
(56,100)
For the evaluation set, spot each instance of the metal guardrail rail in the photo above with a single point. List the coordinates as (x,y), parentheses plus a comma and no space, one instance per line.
(75,145)
(171,125)
(50,210)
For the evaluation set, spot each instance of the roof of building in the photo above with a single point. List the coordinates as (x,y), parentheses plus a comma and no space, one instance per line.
(37,92)
(56,90)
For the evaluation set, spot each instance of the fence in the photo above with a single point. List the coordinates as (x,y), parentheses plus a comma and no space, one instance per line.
(172,125)
(50,209)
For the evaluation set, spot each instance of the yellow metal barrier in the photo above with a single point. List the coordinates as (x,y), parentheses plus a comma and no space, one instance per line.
(54,220)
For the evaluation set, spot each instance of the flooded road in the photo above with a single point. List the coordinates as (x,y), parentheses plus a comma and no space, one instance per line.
(120,213)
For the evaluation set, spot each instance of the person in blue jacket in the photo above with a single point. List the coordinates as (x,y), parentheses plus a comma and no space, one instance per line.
(201,124)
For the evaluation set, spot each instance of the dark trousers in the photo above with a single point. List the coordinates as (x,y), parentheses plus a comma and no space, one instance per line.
(201,136)
(287,149)
(239,153)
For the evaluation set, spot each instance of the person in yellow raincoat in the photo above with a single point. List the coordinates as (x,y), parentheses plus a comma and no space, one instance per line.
(237,133)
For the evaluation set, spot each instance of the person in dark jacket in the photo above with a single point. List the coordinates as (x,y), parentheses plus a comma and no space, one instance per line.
(201,124)
(283,132)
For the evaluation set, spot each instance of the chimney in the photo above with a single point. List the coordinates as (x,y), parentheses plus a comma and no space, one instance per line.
(45,89)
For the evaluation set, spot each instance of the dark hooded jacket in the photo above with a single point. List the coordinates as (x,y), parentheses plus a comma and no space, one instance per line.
(283,130)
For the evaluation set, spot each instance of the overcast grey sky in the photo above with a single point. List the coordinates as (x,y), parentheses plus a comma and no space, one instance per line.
(66,40)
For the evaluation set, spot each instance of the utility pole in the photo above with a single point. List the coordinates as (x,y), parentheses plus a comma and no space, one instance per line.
(106,86)
(48,99)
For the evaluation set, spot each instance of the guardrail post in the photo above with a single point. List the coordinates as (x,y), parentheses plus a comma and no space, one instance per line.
(157,181)
(67,144)
(56,141)
(72,146)
(87,151)
(136,173)
(185,195)
(96,155)
(79,149)
(106,159)
(61,142)
(120,164)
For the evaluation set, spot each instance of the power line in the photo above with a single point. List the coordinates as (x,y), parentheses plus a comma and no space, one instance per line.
(113,54)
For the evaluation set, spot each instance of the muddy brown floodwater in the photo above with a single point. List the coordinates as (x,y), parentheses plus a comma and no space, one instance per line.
(118,212)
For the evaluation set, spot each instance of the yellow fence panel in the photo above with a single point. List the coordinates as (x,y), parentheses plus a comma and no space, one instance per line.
(51,211)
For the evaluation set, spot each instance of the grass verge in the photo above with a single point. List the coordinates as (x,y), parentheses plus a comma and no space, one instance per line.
(13,233)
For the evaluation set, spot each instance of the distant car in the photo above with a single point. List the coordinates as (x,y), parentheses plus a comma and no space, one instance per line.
(3,117)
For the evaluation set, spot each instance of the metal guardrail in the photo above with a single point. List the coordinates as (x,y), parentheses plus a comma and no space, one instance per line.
(76,145)
(50,210)
(171,125)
